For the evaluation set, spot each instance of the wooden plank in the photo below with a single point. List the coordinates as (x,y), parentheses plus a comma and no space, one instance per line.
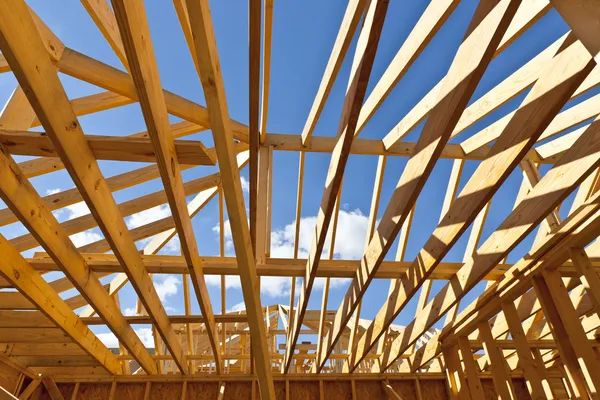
(500,372)
(191,152)
(266,70)
(103,17)
(568,118)
(431,20)
(477,47)
(325,144)
(22,276)
(131,18)
(17,112)
(569,358)
(352,16)
(214,92)
(512,86)
(537,204)
(142,203)
(33,385)
(589,277)
(455,374)
(52,389)
(576,231)
(542,103)
(357,86)
(21,44)
(71,196)
(528,12)
(108,263)
(254,51)
(586,357)
(582,16)
(471,370)
(100,74)
(538,385)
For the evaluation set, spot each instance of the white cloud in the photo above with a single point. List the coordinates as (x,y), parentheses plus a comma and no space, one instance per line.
(349,239)
(147,216)
(167,286)
(145,334)
(110,340)
(85,237)
(349,245)
(245,184)
(52,191)
(129,311)
(237,307)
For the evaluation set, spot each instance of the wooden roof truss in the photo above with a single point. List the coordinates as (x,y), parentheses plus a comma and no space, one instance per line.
(536,318)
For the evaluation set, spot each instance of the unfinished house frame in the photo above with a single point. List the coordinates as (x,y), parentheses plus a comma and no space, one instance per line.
(530,330)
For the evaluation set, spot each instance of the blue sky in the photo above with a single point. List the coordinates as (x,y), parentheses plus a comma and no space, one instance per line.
(303,35)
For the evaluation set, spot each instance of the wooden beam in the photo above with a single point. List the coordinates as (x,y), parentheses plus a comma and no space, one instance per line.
(52,389)
(455,374)
(471,369)
(500,372)
(528,13)
(589,277)
(432,19)
(357,86)
(352,16)
(104,18)
(190,152)
(586,357)
(576,231)
(146,202)
(21,44)
(569,358)
(22,276)
(538,203)
(131,18)
(161,264)
(254,50)
(582,16)
(17,112)
(103,75)
(266,70)
(325,144)
(543,102)
(33,385)
(537,384)
(477,47)
(214,92)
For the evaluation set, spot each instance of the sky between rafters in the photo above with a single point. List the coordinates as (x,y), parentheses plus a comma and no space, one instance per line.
(303,35)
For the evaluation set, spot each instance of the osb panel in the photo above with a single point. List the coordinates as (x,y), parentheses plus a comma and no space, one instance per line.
(521,389)
(304,390)
(202,391)
(489,391)
(96,391)
(279,390)
(369,390)
(164,391)
(128,391)
(337,390)
(405,389)
(433,389)
(66,389)
(238,390)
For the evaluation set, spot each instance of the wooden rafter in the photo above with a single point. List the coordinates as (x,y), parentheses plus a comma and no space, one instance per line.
(359,77)
(214,91)
(21,43)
